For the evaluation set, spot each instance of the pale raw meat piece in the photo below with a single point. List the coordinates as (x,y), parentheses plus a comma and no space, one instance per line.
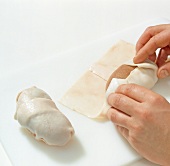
(38,113)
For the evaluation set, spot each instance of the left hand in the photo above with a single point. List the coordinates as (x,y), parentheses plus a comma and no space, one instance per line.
(155,37)
(143,118)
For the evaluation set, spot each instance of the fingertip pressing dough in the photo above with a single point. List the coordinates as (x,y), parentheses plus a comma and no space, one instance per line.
(88,95)
(37,113)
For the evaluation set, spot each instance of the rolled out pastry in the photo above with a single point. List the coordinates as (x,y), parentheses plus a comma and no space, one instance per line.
(38,113)
(88,95)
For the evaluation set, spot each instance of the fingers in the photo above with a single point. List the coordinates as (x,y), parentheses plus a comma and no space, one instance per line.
(163,64)
(152,39)
(148,33)
(164,71)
(123,103)
(128,98)
(135,92)
(152,57)
(119,118)
(162,56)
(158,41)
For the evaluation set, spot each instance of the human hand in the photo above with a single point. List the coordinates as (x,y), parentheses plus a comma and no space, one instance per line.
(153,38)
(143,118)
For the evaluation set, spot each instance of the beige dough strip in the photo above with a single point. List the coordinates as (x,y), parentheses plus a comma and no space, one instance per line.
(87,96)
(115,57)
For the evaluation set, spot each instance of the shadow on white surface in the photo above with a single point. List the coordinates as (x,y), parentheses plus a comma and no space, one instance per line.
(69,153)
(46,74)
(141,162)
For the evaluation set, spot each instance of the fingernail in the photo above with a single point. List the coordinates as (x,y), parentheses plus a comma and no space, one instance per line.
(136,59)
(163,73)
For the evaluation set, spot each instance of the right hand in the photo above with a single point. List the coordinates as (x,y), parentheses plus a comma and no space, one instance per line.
(153,38)
(142,117)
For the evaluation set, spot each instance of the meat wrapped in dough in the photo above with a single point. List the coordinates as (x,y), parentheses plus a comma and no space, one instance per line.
(38,113)
(144,74)
(88,95)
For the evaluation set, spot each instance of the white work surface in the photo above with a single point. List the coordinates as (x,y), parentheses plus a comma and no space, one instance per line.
(95,142)
(34,30)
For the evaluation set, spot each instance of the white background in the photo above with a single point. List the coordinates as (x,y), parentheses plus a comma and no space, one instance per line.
(31,30)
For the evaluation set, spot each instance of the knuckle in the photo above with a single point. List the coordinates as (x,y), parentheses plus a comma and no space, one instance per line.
(156,99)
(145,114)
(137,129)
(155,40)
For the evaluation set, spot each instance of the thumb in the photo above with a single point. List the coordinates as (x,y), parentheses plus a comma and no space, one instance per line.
(164,70)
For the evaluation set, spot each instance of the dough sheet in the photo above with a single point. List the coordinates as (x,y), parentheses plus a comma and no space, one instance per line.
(88,95)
